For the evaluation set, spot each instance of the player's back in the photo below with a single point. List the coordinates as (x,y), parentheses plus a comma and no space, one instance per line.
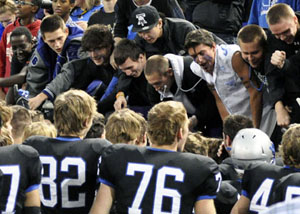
(287,188)
(258,184)
(148,180)
(21,169)
(70,172)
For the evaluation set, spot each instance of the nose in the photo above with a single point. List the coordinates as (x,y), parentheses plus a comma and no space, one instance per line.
(57,44)
(128,72)
(282,37)
(156,87)
(92,54)
(19,51)
(250,57)
(199,59)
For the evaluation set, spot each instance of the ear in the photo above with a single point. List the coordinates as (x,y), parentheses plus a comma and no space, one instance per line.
(141,56)
(67,30)
(72,5)
(34,9)
(87,123)
(296,19)
(170,72)
(179,134)
(160,23)
(227,141)
(214,45)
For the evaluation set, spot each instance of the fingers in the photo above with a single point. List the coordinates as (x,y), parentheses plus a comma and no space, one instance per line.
(278,59)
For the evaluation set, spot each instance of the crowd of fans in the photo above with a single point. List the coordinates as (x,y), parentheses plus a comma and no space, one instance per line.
(149,106)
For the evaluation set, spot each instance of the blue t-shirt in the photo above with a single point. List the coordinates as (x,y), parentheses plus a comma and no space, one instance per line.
(83,15)
(260,8)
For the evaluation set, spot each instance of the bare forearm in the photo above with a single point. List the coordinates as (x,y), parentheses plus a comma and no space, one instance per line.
(10,81)
(256,107)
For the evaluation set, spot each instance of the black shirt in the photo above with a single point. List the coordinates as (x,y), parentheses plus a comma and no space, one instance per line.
(70,172)
(21,169)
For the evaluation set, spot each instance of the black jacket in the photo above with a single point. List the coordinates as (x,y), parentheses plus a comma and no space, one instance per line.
(284,84)
(172,40)
(124,9)
(219,16)
(135,89)
(79,74)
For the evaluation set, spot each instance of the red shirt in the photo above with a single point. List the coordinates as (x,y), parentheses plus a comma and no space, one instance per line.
(5,47)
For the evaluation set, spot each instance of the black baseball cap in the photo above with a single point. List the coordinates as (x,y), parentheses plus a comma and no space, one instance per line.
(144,18)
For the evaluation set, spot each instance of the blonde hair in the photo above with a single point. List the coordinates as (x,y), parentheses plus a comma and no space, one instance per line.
(290,147)
(6,113)
(36,115)
(164,121)
(21,118)
(72,110)
(124,126)
(279,11)
(8,5)
(41,128)
(5,137)
(156,64)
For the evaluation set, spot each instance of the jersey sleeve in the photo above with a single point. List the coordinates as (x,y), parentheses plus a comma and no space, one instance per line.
(246,184)
(106,167)
(210,186)
(34,167)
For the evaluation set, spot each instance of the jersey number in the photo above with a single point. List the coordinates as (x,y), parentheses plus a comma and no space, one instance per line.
(261,197)
(14,172)
(160,190)
(65,184)
(292,192)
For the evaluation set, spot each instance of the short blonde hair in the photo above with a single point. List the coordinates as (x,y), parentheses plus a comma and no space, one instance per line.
(279,11)
(6,113)
(36,115)
(21,119)
(8,5)
(156,64)
(290,147)
(5,137)
(41,128)
(164,121)
(124,126)
(72,109)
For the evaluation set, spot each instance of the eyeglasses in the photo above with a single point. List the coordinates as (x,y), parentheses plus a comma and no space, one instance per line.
(23,3)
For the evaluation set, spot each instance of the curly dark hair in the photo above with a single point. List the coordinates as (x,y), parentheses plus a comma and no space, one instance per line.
(97,36)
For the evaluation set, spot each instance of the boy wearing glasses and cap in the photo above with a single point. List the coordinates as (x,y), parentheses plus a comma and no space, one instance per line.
(158,35)
(26,11)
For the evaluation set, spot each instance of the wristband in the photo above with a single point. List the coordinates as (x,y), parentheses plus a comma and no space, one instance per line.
(119,94)
(32,210)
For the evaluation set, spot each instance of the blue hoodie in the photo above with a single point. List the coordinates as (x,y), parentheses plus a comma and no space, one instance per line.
(70,51)
(45,64)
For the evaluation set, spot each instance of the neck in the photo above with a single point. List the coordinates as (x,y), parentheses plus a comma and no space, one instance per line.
(71,135)
(66,17)
(26,21)
(172,147)
(83,6)
(109,6)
